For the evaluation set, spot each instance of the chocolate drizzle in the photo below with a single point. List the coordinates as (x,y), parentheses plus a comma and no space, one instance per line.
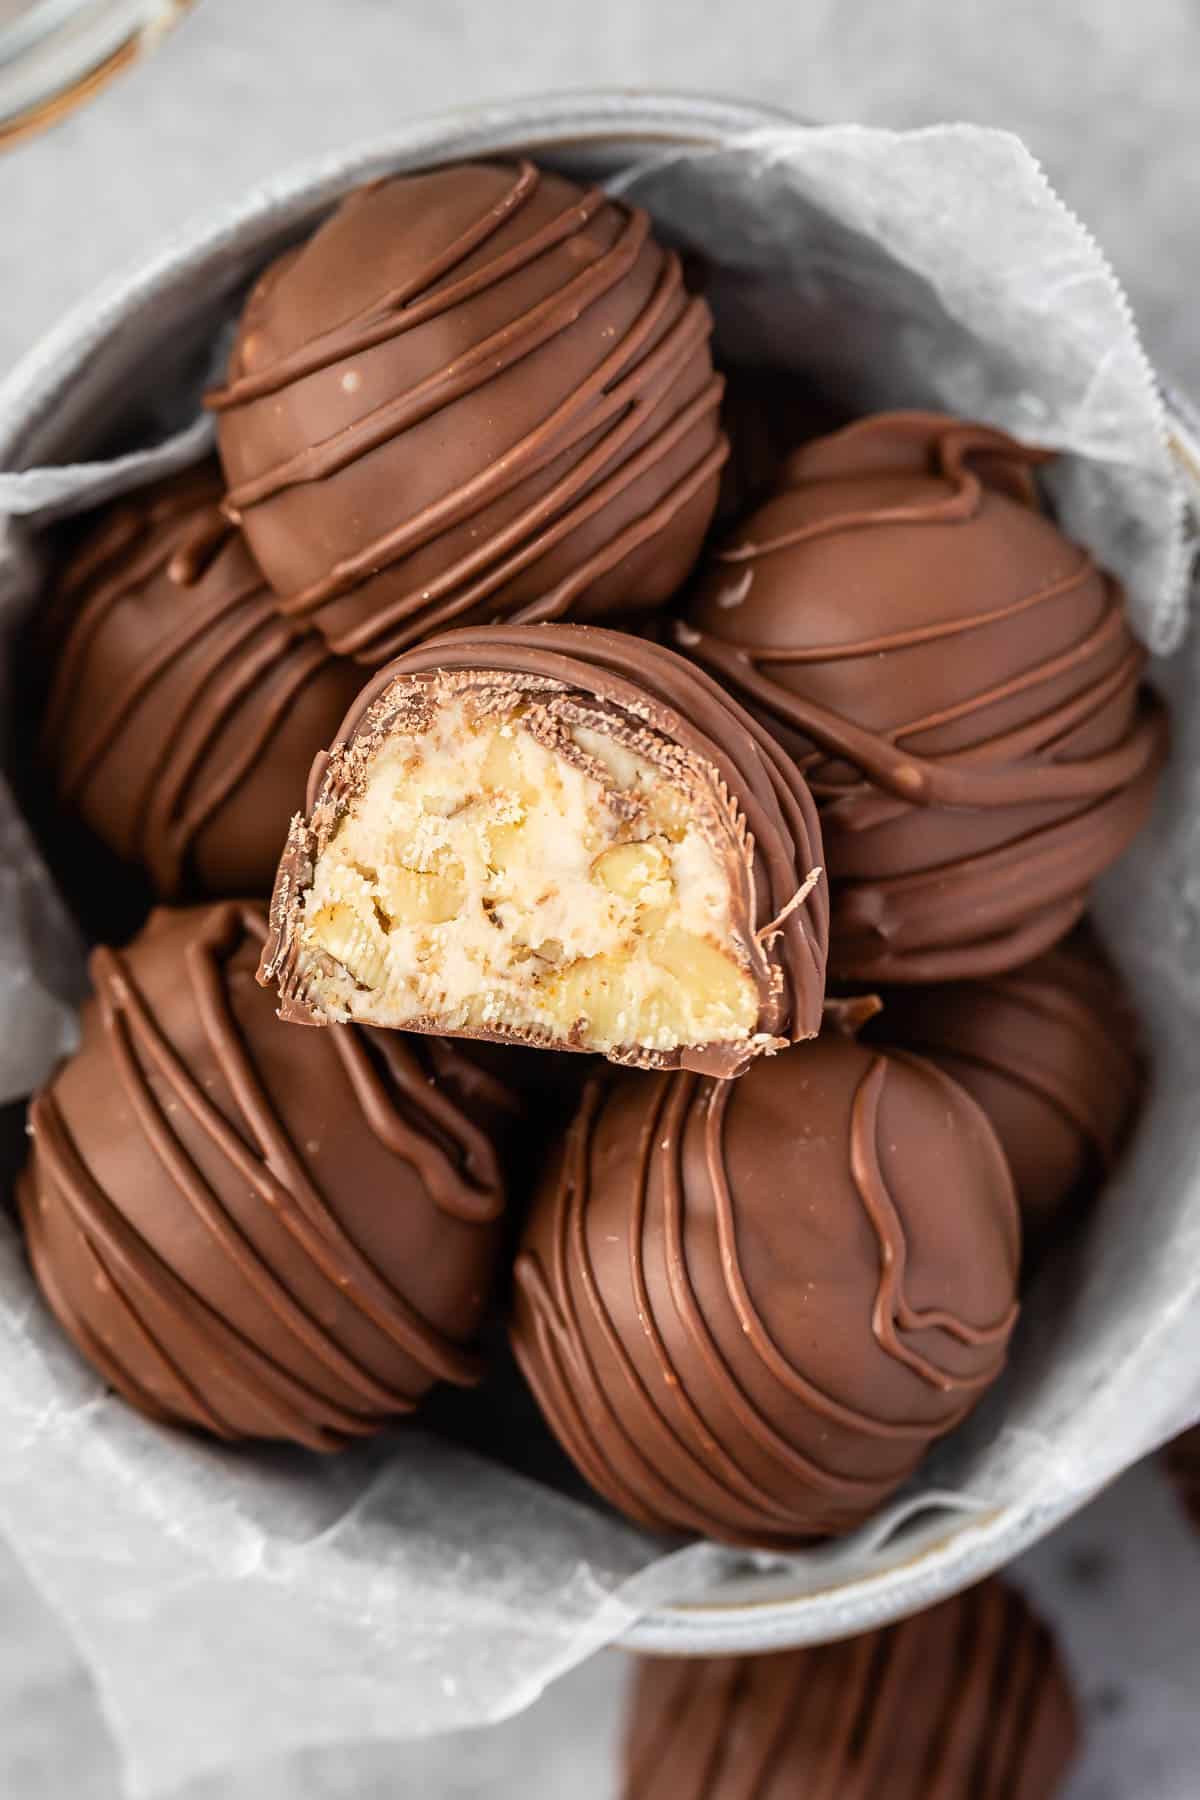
(217,1267)
(957,682)
(183,711)
(586,490)
(968,1701)
(714,1297)
(893,1313)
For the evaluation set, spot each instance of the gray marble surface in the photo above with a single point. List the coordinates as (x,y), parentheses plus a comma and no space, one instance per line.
(1105,93)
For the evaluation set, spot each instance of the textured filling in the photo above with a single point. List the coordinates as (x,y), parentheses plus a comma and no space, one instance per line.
(503,871)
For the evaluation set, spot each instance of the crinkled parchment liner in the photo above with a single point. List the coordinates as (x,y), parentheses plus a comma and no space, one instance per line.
(236,1605)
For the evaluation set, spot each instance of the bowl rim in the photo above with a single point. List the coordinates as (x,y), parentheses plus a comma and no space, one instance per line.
(962,1552)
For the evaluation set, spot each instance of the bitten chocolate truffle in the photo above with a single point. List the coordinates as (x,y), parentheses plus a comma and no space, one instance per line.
(1049,1052)
(556,835)
(183,713)
(260,1232)
(957,681)
(474,394)
(968,1701)
(747,1308)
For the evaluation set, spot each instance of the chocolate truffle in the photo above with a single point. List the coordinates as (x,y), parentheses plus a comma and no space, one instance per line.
(478,393)
(183,711)
(767,413)
(1183,1466)
(957,681)
(1049,1052)
(746,1308)
(968,1701)
(556,835)
(257,1231)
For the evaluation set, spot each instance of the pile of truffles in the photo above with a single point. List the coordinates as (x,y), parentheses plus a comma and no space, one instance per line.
(696,911)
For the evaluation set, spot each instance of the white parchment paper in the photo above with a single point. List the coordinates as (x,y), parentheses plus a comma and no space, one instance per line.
(234,1606)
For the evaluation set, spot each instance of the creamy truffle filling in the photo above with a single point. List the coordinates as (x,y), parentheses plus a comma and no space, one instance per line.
(498,873)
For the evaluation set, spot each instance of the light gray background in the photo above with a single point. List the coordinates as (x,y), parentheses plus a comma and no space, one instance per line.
(1106,94)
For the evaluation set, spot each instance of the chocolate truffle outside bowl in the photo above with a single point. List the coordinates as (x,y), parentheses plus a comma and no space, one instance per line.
(57,408)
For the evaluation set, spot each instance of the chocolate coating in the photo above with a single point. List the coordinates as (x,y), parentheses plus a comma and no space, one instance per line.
(1182,1456)
(767,414)
(747,1308)
(958,682)
(256,1231)
(183,712)
(477,393)
(1050,1054)
(968,1701)
(623,686)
